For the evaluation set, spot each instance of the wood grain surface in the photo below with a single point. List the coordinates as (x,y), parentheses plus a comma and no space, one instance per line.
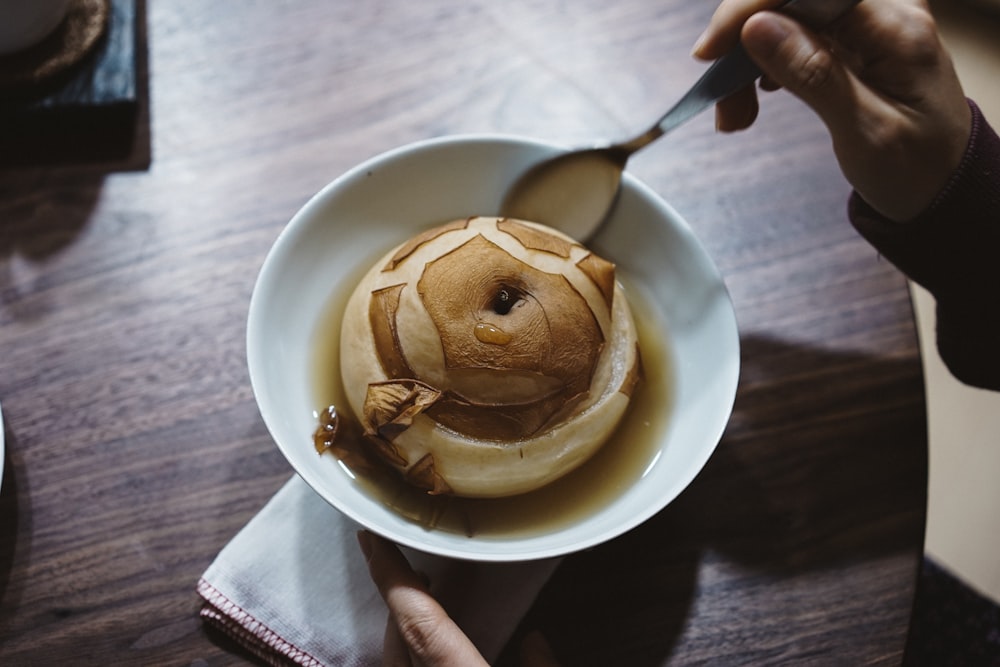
(135,450)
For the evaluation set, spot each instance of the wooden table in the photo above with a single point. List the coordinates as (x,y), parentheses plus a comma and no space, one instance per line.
(135,450)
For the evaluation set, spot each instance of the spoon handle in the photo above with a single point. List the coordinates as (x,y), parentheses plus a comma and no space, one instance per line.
(735,70)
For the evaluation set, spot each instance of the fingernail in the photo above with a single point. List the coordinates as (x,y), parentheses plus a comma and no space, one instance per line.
(698,44)
(365,542)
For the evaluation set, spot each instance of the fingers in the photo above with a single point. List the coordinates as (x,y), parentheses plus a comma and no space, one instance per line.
(395,652)
(789,55)
(420,631)
(794,58)
(738,111)
(723,31)
(387,565)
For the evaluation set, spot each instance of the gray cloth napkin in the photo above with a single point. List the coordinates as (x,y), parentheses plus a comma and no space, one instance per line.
(293,587)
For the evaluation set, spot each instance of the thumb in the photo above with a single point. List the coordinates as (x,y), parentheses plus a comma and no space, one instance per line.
(799,61)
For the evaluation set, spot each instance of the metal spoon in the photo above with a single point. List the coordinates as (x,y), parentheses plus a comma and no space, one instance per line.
(575,191)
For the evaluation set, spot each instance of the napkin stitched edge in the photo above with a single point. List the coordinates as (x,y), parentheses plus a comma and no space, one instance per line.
(248,631)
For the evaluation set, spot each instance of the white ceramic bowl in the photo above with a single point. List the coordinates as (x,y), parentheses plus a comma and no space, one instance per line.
(385,200)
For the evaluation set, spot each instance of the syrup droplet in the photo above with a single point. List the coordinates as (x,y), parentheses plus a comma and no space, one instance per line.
(326,433)
(487,333)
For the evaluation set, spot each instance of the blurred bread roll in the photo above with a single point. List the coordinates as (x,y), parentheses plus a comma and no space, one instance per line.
(488,357)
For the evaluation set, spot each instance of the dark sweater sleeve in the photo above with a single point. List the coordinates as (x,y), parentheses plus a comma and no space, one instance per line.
(953,250)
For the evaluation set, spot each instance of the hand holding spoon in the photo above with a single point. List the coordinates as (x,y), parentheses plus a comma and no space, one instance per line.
(574,191)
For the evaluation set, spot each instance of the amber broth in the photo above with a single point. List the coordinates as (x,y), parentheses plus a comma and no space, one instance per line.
(616,466)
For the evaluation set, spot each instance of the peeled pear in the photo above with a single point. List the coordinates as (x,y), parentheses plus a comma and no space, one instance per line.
(488,356)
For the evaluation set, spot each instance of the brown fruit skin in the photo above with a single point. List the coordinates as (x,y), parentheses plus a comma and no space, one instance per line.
(519,338)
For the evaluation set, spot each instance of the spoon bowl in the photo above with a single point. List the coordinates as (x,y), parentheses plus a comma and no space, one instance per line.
(573,192)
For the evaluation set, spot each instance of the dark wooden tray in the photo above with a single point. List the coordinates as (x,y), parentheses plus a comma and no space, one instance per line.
(91,111)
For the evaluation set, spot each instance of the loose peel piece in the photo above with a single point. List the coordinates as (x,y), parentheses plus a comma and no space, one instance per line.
(488,356)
